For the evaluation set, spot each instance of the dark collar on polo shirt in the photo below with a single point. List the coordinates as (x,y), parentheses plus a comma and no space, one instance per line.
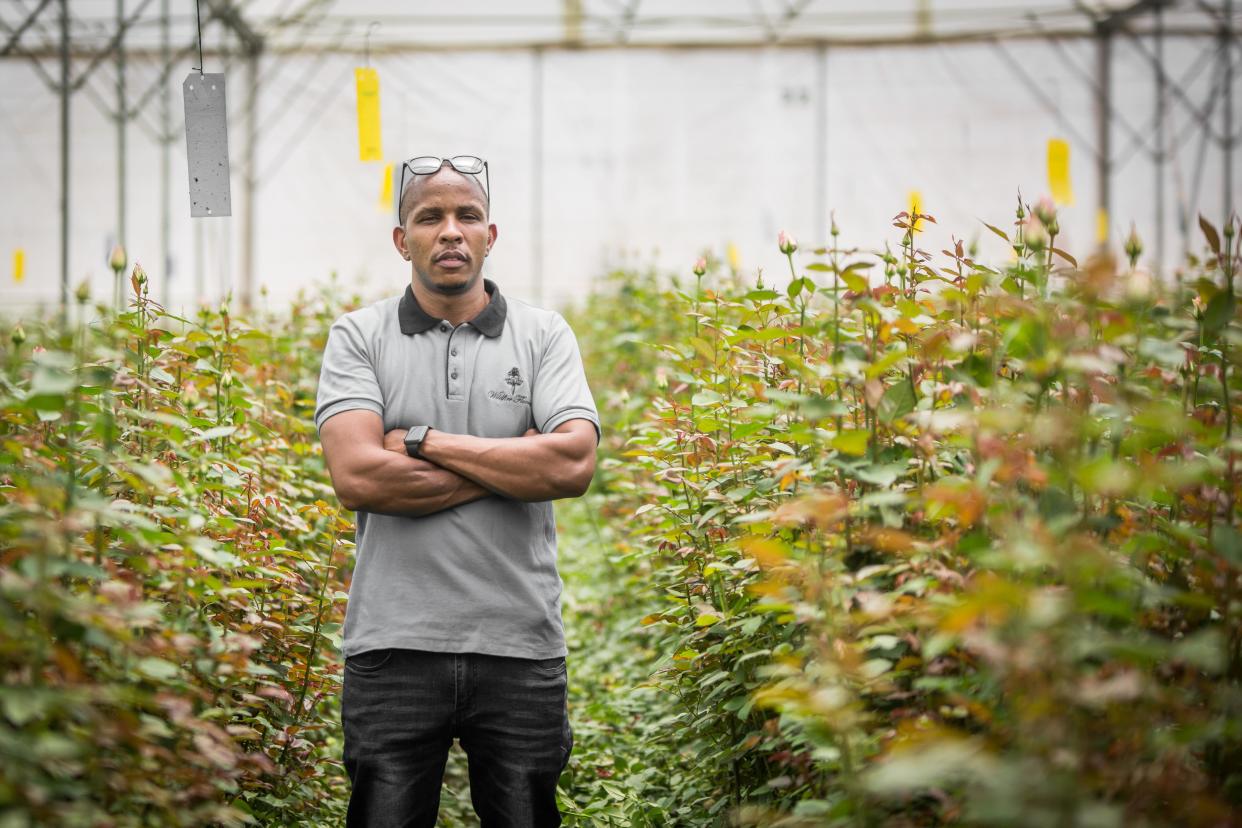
(490,321)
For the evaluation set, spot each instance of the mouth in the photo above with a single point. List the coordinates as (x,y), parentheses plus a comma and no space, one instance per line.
(451,259)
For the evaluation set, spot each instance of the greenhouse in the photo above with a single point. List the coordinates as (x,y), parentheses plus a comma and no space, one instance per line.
(830,424)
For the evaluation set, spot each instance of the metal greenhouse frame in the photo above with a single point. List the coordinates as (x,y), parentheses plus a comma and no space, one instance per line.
(52,34)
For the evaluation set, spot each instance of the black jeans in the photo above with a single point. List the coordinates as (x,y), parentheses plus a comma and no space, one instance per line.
(402,708)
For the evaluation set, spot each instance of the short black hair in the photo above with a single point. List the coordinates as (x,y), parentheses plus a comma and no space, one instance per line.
(406,203)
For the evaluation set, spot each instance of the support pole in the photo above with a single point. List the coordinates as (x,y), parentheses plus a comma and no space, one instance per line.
(1226,70)
(121,119)
(65,92)
(248,179)
(1161,127)
(200,268)
(166,159)
(821,141)
(536,166)
(1103,120)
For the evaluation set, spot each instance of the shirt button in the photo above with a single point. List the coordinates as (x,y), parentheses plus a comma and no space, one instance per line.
(443,328)
(453,352)
(453,375)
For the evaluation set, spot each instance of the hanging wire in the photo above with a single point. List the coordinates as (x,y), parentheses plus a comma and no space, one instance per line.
(367,41)
(198,17)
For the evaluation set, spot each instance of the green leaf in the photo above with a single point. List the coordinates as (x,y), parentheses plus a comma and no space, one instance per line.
(1204,649)
(797,286)
(1168,354)
(1209,233)
(875,667)
(21,705)
(1228,543)
(997,231)
(851,441)
(1073,262)
(882,476)
(163,376)
(928,766)
(855,282)
(157,668)
(1219,311)
(50,382)
(897,402)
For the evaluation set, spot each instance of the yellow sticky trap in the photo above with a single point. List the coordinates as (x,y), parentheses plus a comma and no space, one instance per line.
(19,265)
(916,207)
(1101,226)
(366,79)
(1059,172)
(735,260)
(385,199)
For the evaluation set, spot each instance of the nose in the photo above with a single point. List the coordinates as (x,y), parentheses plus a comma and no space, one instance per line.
(451,231)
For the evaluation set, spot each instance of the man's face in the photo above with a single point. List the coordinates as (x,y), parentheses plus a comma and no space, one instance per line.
(446,234)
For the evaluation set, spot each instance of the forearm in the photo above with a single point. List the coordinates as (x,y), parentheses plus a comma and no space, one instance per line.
(384,482)
(530,468)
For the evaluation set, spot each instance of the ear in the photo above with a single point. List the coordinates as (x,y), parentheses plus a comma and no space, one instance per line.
(398,241)
(492,233)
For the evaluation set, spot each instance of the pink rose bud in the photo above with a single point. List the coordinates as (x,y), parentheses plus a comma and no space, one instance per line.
(1034,233)
(786,243)
(1046,212)
(117,259)
(138,278)
(700,266)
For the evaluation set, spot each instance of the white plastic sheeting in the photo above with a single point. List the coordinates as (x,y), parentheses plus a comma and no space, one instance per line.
(649,157)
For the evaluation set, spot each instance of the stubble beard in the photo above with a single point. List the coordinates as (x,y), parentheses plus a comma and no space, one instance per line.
(451,289)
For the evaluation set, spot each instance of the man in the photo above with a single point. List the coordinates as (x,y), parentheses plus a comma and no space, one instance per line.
(450,417)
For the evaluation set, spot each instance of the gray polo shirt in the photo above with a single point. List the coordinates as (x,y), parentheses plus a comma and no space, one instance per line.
(481,577)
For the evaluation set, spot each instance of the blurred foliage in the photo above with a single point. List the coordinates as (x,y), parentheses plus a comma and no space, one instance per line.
(910,540)
(172,571)
(903,540)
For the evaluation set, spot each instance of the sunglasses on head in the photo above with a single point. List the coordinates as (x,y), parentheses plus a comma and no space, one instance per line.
(431,164)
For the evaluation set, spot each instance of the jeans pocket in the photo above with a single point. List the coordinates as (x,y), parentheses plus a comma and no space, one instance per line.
(369,661)
(549,666)
(567,743)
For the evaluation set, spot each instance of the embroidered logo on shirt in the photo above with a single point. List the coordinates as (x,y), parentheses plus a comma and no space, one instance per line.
(514,380)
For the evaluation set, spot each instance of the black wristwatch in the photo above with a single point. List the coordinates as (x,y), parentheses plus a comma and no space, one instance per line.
(414,440)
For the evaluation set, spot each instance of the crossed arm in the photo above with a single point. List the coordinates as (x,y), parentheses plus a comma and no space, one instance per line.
(371,471)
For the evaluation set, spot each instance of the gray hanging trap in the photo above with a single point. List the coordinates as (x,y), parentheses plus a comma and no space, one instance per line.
(207,144)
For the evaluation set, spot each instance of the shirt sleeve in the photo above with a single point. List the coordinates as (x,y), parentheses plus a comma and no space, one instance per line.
(347,378)
(560,391)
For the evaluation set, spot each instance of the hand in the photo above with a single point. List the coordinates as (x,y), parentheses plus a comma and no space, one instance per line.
(530,432)
(395,440)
